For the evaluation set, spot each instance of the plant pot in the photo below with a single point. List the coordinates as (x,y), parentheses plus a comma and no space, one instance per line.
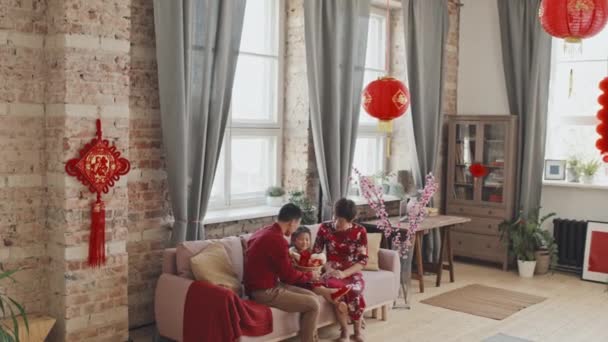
(586,179)
(526,268)
(386,188)
(275,201)
(542,262)
(573,175)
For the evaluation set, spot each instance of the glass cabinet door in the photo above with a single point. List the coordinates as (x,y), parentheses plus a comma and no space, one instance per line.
(494,135)
(466,148)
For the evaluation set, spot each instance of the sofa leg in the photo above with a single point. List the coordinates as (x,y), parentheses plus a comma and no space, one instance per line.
(384,315)
(375,313)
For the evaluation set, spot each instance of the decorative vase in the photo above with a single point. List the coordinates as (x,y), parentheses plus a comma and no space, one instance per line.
(275,201)
(542,262)
(526,268)
(585,179)
(573,175)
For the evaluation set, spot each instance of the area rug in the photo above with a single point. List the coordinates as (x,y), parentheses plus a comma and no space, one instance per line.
(484,301)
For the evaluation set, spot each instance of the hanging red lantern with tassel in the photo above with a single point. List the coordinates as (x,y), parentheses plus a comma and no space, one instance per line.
(602,126)
(573,20)
(386,99)
(99,167)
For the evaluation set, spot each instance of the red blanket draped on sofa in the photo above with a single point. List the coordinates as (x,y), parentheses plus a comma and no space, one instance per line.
(214,313)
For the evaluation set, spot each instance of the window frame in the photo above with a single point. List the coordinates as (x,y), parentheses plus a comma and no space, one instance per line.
(368,129)
(556,119)
(256,128)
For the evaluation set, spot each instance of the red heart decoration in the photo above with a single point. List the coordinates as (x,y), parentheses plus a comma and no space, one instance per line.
(478,170)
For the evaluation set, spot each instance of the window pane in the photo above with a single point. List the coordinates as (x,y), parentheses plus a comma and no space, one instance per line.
(369,153)
(586,77)
(217,190)
(570,140)
(260,27)
(590,49)
(365,118)
(253,165)
(376,42)
(254,95)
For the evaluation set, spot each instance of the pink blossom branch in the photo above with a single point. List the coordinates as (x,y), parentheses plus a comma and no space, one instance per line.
(374,196)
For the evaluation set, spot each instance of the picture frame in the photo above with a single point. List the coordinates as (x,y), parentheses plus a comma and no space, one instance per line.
(555,169)
(595,264)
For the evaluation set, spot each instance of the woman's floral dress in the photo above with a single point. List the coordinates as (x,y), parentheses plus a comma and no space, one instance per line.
(344,249)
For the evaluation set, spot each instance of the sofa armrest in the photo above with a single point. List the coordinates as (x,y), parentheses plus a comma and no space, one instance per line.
(169,302)
(169,261)
(389,260)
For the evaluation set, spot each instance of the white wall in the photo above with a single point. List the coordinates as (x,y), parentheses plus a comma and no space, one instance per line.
(481,81)
(482,90)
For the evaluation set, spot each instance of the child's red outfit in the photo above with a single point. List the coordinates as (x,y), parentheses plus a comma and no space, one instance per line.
(306,258)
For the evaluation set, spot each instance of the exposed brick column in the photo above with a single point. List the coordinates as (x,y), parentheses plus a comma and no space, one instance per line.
(87,51)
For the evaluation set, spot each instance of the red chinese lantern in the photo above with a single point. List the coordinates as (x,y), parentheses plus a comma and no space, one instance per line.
(386,99)
(602,126)
(478,170)
(573,20)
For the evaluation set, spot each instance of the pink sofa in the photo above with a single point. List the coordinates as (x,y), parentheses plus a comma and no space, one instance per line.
(382,289)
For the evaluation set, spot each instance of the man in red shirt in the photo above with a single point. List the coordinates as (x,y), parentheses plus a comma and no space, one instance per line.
(269,274)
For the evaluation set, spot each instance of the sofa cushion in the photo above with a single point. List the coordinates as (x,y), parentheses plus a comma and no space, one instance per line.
(187,249)
(373,247)
(213,265)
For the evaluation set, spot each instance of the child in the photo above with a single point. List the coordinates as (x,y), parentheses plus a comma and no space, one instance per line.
(302,256)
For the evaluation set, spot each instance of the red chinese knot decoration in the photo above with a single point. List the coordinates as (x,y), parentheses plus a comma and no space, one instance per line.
(477,170)
(386,99)
(99,167)
(573,20)
(602,115)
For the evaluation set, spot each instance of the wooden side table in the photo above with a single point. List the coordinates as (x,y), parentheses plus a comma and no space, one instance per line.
(444,224)
(39,325)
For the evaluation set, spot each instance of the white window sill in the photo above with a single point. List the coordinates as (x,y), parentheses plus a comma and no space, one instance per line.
(565,184)
(360,200)
(237,214)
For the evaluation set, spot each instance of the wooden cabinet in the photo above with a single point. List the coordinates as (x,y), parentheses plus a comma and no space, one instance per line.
(491,141)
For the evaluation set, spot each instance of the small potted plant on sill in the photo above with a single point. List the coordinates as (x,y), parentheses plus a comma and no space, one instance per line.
(275,196)
(588,171)
(308,210)
(521,236)
(383,179)
(12,311)
(573,169)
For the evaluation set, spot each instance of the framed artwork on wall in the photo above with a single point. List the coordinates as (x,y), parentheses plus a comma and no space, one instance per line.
(595,266)
(555,169)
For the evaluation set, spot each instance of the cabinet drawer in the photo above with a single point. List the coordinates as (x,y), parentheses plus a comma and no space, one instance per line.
(480,225)
(476,211)
(482,247)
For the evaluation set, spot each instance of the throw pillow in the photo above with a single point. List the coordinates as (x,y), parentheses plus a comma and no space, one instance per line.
(373,248)
(213,265)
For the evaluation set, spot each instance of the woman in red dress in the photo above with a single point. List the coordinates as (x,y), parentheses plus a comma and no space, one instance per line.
(345,243)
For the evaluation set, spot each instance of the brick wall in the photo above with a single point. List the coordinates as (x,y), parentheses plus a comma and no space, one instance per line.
(22,150)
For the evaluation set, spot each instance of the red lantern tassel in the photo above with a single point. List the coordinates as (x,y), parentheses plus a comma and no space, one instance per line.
(97,239)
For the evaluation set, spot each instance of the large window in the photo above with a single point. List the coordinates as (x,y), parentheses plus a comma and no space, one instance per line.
(249,161)
(370,148)
(573,101)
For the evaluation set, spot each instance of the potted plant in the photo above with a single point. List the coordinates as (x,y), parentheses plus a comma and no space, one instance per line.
(546,251)
(10,309)
(308,210)
(588,170)
(383,178)
(521,236)
(573,169)
(275,196)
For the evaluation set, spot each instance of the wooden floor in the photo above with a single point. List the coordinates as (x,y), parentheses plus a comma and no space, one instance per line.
(575,310)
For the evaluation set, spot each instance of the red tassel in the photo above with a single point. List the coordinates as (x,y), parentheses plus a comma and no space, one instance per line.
(97,239)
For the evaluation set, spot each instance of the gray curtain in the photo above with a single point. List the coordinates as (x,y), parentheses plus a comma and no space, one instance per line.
(336,41)
(197,44)
(526,52)
(426,29)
